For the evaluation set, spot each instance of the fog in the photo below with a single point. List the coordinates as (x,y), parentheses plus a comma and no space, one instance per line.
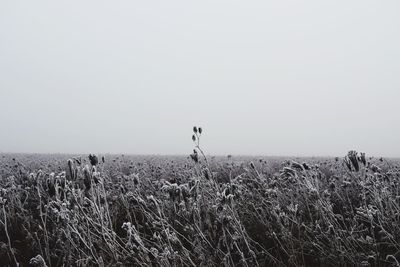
(301,78)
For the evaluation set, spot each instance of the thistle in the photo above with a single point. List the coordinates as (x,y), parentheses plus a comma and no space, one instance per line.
(352,156)
(305,166)
(195,156)
(347,162)
(362,159)
(51,185)
(252,165)
(70,168)
(94,160)
(135,179)
(87,178)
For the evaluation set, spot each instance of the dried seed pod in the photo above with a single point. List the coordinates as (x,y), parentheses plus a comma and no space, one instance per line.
(194,138)
(200,130)
(352,155)
(135,179)
(61,179)
(71,169)
(363,159)
(305,166)
(96,177)
(347,162)
(194,129)
(87,179)
(252,165)
(50,185)
(78,161)
(93,159)
(195,156)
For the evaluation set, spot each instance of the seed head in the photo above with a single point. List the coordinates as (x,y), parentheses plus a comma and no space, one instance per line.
(93,159)
(71,169)
(194,129)
(352,156)
(363,159)
(305,166)
(50,185)
(252,165)
(347,162)
(87,178)
(195,156)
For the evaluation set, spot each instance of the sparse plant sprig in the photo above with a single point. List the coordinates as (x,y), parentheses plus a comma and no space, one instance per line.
(197,132)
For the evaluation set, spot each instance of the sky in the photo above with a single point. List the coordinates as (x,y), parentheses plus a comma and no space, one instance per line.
(296,78)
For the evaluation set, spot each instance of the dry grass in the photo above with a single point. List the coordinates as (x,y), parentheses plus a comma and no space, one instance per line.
(120,211)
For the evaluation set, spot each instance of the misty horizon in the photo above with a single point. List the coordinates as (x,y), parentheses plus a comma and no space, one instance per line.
(237,156)
(268,78)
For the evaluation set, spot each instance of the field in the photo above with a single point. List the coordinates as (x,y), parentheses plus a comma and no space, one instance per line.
(119,210)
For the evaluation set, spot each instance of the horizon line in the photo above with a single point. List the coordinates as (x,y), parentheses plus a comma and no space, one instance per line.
(187,155)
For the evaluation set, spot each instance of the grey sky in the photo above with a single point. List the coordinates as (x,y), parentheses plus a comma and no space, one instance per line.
(262,77)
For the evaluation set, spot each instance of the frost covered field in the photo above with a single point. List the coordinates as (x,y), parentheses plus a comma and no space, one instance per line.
(118,210)
(86,87)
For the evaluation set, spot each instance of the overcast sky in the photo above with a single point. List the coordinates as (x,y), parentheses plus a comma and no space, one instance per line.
(262,77)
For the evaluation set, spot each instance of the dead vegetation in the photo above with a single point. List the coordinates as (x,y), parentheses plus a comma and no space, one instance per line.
(198,211)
